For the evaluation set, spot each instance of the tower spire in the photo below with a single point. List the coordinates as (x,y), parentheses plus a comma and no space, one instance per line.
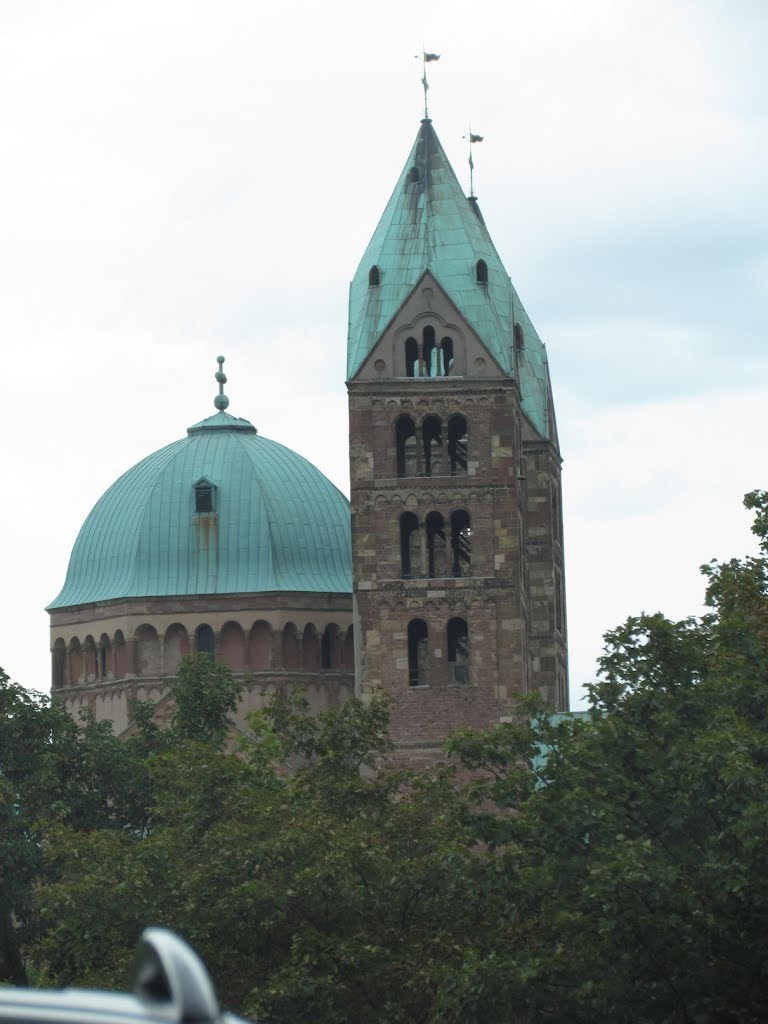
(426,58)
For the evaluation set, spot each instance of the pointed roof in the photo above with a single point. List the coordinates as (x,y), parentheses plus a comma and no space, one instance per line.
(430,224)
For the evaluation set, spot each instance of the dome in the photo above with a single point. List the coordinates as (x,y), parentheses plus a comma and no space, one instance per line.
(221,511)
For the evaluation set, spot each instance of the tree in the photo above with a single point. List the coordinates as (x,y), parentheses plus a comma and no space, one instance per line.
(611,867)
(205,693)
(635,885)
(313,890)
(51,768)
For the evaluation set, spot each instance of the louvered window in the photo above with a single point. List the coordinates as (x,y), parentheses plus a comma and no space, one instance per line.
(204,498)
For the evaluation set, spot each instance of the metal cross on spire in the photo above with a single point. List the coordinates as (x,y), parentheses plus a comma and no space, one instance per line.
(426,58)
(472,138)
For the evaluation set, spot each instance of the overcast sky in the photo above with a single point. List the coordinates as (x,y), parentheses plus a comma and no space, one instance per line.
(181,179)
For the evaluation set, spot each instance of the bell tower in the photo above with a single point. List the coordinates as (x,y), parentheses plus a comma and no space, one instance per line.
(455,469)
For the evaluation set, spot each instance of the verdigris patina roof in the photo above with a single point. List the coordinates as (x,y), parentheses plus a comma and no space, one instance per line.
(276,523)
(430,224)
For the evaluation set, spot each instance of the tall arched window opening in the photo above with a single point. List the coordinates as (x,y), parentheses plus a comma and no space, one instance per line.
(121,656)
(411,357)
(446,356)
(374,277)
(58,663)
(330,647)
(205,641)
(431,353)
(405,446)
(233,649)
(75,661)
(458,441)
(482,272)
(310,648)
(175,646)
(432,440)
(436,546)
(417,652)
(458,651)
(555,517)
(290,646)
(90,659)
(105,657)
(260,646)
(409,545)
(148,659)
(461,543)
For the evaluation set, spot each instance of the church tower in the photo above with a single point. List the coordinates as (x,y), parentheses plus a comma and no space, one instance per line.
(455,469)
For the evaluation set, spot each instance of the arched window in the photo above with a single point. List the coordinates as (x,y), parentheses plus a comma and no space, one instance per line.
(175,647)
(417,652)
(405,446)
(409,545)
(147,650)
(431,352)
(205,641)
(458,440)
(105,657)
(260,646)
(233,650)
(90,659)
(432,439)
(121,656)
(555,517)
(482,272)
(413,174)
(75,661)
(461,534)
(436,546)
(330,647)
(374,277)
(446,356)
(290,646)
(310,649)
(458,651)
(411,357)
(58,664)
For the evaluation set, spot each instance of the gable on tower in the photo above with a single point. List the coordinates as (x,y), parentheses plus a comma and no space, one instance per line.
(429,337)
(430,225)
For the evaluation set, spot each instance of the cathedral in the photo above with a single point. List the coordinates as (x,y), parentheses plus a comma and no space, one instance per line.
(440,582)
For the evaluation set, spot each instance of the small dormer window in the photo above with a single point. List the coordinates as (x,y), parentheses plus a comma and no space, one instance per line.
(413,174)
(519,338)
(204,497)
(374,277)
(482,272)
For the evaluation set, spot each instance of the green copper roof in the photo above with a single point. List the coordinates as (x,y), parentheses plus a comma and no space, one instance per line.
(430,224)
(277,523)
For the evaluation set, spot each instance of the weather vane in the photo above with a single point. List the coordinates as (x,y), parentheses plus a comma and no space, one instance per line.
(221,401)
(472,140)
(426,58)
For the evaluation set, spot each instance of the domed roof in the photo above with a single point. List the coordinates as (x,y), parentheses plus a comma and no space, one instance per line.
(221,511)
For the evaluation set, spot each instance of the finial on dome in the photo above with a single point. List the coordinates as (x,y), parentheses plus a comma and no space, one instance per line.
(221,401)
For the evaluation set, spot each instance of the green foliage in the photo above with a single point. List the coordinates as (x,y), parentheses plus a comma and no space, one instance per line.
(205,694)
(612,867)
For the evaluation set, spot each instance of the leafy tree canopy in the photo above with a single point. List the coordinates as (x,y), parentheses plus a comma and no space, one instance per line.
(621,877)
